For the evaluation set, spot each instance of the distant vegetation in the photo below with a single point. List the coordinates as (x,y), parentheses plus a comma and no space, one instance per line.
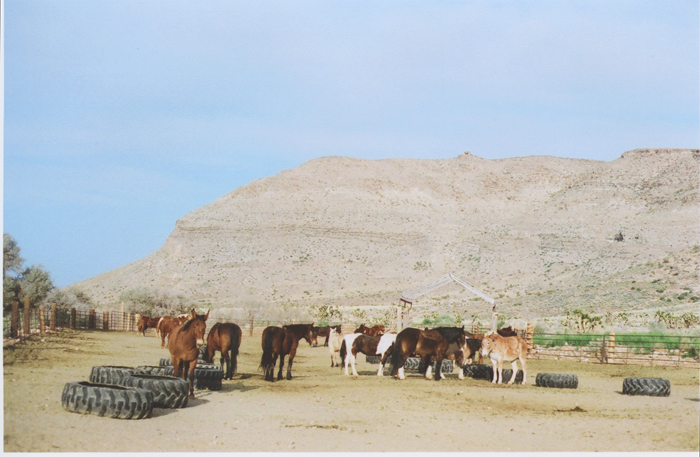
(19,282)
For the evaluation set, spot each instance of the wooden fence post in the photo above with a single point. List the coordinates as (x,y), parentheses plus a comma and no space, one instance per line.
(105,320)
(52,321)
(252,322)
(42,321)
(137,317)
(72,318)
(14,322)
(129,322)
(27,316)
(529,336)
(611,348)
(91,319)
(121,319)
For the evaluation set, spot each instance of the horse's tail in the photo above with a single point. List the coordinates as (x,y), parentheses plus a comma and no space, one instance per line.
(396,355)
(158,327)
(267,362)
(234,350)
(343,353)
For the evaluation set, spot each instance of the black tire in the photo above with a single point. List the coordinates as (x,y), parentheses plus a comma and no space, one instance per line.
(168,391)
(653,387)
(204,378)
(157,371)
(110,374)
(486,372)
(447,366)
(479,371)
(412,363)
(167,362)
(117,402)
(558,380)
(373,359)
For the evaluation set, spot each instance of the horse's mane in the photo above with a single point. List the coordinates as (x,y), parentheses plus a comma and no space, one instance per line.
(450,333)
(187,324)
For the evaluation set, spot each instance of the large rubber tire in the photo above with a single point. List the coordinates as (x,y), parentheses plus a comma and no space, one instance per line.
(117,402)
(447,366)
(167,362)
(486,372)
(558,380)
(157,371)
(110,374)
(653,387)
(168,391)
(373,359)
(412,364)
(204,378)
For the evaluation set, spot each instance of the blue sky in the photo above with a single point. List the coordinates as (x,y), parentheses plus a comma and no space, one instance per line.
(121,117)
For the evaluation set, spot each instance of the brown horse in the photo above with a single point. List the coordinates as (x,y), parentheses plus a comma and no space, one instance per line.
(184,343)
(166,324)
(325,331)
(426,345)
(225,338)
(507,331)
(280,341)
(145,323)
(371,331)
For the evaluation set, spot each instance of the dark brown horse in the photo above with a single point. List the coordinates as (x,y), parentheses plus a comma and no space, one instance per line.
(325,331)
(427,345)
(184,343)
(225,338)
(145,323)
(166,324)
(280,341)
(371,331)
(507,331)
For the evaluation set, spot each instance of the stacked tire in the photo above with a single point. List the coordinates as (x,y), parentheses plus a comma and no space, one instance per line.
(206,376)
(106,400)
(168,391)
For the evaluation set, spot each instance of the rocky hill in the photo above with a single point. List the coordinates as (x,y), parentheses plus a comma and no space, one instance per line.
(540,234)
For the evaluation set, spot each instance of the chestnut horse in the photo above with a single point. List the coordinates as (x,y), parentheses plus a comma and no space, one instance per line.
(426,345)
(280,341)
(184,343)
(371,331)
(225,338)
(145,323)
(325,331)
(166,324)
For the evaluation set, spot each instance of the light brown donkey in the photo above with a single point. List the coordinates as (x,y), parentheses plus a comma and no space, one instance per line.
(504,349)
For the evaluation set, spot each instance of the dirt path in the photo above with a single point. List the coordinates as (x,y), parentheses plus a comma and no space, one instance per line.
(323,410)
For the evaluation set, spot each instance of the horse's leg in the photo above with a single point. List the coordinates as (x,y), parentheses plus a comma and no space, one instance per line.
(176,366)
(352,362)
(325,343)
(192,367)
(428,366)
(292,353)
(500,370)
(270,372)
(162,339)
(513,365)
(522,365)
(495,370)
(279,375)
(438,368)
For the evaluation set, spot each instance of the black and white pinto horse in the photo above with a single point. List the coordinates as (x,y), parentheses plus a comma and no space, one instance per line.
(355,343)
(439,343)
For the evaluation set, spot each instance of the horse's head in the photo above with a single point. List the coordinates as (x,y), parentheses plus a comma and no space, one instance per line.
(487,343)
(360,329)
(199,325)
(311,336)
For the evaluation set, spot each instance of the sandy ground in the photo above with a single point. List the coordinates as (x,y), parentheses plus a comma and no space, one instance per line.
(323,410)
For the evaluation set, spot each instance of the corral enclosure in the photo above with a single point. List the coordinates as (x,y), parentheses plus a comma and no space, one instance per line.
(323,410)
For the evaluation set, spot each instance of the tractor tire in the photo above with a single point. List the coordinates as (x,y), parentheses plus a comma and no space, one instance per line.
(167,362)
(156,371)
(558,380)
(117,402)
(373,359)
(412,364)
(168,391)
(204,378)
(653,387)
(109,375)
(486,372)
(447,366)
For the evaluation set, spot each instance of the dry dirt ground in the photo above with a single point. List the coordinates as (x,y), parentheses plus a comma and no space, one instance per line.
(323,410)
